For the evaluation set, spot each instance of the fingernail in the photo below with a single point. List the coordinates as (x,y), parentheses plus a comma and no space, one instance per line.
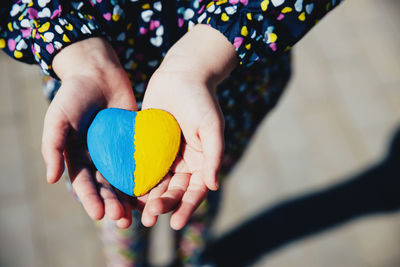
(153,211)
(146,221)
(216,185)
(48,175)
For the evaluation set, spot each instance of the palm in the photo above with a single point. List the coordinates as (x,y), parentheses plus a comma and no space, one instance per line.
(195,169)
(181,191)
(64,134)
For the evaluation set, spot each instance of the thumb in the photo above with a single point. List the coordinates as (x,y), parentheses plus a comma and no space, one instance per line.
(212,140)
(55,131)
(122,94)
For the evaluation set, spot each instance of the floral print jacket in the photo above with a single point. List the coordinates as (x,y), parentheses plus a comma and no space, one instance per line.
(142,31)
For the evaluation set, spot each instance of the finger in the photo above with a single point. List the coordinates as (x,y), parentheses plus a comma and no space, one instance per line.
(148,218)
(82,181)
(123,96)
(212,139)
(86,190)
(112,205)
(55,131)
(195,194)
(141,202)
(180,166)
(171,198)
(126,219)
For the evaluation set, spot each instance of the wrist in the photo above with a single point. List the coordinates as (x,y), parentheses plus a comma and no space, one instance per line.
(203,52)
(93,57)
(93,63)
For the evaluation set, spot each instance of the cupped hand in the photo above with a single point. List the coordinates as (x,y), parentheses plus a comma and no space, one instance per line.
(184,85)
(92,79)
(195,171)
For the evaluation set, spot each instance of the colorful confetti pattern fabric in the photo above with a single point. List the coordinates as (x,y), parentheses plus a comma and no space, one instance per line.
(35,30)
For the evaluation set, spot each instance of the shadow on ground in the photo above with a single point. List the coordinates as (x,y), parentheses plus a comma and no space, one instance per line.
(375,190)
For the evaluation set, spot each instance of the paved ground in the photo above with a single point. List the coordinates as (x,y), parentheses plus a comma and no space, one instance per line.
(335,121)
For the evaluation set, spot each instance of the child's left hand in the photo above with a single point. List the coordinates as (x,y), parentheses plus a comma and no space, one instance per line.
(92,79)
(184,85)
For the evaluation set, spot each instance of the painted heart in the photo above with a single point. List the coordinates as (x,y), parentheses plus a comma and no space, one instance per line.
(43,3)
(14,10)
(189,13)
(298,5)
(45,13)
(36,48)
(133,150)
(154,24)
(59,29)
(85,29)
(57,45)
(21,45)
(107,16)
(157,6)
(156,41)
(146,15)
(309,8)
(211,9)
(49,36)
(160,31)
(121,37)
(117,10)
(180,10)
(25,23)
(77,5)
(218,11)
(230,10)
(277,2)
(50,48)
(16,27)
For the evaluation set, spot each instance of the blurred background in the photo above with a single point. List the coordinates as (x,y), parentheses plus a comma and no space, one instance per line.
(319,186)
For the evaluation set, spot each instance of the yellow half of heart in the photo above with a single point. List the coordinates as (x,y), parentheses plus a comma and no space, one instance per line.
(157,140)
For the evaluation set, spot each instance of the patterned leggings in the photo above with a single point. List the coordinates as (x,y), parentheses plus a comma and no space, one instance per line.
(245,98)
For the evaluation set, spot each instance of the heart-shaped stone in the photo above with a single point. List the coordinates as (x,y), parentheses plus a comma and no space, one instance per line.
(133,150)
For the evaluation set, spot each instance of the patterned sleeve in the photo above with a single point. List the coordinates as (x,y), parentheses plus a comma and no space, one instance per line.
(261,28)
(33,31)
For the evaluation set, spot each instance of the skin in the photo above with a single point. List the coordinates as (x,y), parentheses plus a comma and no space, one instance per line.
(184,85)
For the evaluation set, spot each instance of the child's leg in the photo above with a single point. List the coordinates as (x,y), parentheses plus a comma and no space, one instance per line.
(124,247)
(245,99)
(191,240)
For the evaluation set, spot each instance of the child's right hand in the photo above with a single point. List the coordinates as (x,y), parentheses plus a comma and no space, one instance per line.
(92,79)
(184,85)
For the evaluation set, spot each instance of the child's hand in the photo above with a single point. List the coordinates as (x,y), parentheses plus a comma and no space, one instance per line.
(184,85)
(194,106)
(92,79)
